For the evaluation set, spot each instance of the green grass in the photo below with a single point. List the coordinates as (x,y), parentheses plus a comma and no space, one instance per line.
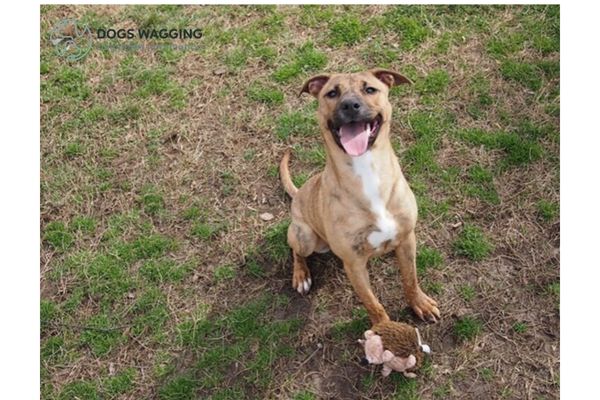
(472,243)
(296,123)
(152,201)
(554,289)
(517,149)
(467,328)
(300,178)
(428,128)
(100,335)
(314,155)
(205,231)
(224,273)
(480,89)
(467,292)
(305,59)
(442,392)
(179,388)
(526,74)
(265,94)
(520,327)
(547,210)
(347,30)
(74,149)
(120,383)
(276,246)
(81,390)
(253,339)
(66,83)
(486,374)
(353,329)
(411,30)
(434,287)
(480,184)
(507,44)
(404,388)
(304,395)
(435,82)
(83,224)
(164,270)
(57,236)
(428,257)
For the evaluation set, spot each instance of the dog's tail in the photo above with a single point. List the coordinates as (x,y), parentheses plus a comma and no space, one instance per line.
(284,174)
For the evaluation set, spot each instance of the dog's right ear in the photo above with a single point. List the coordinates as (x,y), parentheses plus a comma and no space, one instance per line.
(314,85)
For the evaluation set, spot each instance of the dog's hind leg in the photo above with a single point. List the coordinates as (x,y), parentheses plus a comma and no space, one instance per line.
(303,241)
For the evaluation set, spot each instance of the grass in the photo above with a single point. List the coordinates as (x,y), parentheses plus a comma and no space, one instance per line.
(100,335)
(260,339)
(467,328)
(428,257)
(472,243)
(205,231)
(481,185)
(519,327)
(467,292)
(546,210)
(160,280)
(265,94)
(526,74)
(517,150)
(486,374)
(352,329)
(412,32)
(152,201)
(295,123)
(306,59)
(347,30)
(224,273)
(276,241)
(57,236)
(435,82)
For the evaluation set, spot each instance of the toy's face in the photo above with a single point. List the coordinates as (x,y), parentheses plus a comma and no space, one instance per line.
(373,348)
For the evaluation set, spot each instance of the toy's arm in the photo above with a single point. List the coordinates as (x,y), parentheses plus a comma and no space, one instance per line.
(386,370)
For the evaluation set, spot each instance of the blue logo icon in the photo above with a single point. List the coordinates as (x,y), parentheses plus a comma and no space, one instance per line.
(71,39)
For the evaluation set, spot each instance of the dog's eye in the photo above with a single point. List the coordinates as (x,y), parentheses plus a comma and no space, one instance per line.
(370,90)
(331,94)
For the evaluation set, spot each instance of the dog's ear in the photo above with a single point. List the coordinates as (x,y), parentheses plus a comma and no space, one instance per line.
(314,85)
(390,78)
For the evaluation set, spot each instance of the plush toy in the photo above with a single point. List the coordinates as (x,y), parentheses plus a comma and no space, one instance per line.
(396,345)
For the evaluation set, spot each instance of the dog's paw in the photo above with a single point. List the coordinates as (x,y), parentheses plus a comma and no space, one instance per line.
(301,281)
(425,307)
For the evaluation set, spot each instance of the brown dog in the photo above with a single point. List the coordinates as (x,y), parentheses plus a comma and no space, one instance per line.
(360,206)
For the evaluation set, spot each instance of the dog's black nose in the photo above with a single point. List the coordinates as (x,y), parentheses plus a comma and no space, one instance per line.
(350,108)
(351,104)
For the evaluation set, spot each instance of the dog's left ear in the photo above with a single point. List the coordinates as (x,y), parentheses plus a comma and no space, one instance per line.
(390,78)
(314,85)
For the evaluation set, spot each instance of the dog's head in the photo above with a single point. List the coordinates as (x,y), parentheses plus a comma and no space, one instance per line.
(354,108)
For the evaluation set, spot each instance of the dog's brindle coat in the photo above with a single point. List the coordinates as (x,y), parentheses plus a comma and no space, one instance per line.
(359,207)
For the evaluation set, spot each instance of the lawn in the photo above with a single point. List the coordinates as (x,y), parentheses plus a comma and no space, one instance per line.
(159,278)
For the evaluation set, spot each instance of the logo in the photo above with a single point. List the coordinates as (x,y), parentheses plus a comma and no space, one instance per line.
(71,39)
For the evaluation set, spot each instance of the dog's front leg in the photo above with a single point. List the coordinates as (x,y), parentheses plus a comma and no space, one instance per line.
(356,270)
(424,306)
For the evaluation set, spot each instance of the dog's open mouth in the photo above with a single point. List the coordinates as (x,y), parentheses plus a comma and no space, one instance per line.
(355,138)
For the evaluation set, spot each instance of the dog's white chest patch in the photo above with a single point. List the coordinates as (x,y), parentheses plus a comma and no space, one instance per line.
(363,167)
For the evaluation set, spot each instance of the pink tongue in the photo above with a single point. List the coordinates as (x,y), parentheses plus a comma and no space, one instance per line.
(355,138)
